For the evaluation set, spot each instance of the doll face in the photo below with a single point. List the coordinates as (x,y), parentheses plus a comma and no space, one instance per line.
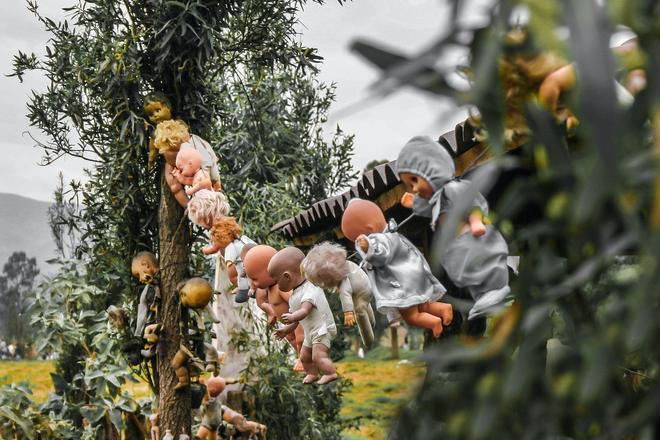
(158,111)
(417,185)
(188,162)
(255,265)
(362,217)
(144,268)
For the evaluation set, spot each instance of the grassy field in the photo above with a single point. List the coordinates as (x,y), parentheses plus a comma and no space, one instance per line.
(379,387)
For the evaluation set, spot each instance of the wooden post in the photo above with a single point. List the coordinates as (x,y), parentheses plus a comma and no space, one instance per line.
(173,406)
(394,336)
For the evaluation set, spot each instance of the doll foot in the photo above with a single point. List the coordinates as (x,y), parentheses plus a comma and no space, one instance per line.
(327,378)
(298,366)
(241,296)
(437,329)
(447,314)
(310,379)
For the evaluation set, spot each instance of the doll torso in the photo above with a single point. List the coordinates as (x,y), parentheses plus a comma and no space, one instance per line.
(209,158)
(399,274)
(233,254)
(320,320)
(355,289)
(212,418)
(278,300)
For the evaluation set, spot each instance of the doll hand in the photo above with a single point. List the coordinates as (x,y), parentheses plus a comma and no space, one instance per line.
(349,319)
(478,229)
(363,242)
(217,186)
(175,172)
(189,191)
(287,318)
(407,200)
(280,333)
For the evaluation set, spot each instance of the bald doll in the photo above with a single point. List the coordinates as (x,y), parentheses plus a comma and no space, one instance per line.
(270,298)
(309,308)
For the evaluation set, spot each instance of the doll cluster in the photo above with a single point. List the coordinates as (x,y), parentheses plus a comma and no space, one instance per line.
(290,286)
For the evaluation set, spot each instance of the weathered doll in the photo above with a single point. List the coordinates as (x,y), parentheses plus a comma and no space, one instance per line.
(158,109)
(212,409)
(401,280)
(226,237)
(145,267)
(477,257)
(170,137)
(269,297)
(326,266)
(309,307)
(207,206)
(190,172)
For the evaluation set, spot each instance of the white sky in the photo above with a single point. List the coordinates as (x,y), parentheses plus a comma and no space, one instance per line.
(381,129)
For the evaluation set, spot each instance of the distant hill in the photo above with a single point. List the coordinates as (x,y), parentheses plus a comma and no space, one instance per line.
(24,227)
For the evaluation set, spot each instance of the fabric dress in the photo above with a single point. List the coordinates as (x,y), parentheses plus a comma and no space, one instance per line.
(399,274)
(209,158)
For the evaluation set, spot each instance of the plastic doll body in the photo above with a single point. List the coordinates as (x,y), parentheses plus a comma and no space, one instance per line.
(309,308)
(401,280)
(212,409)
(476,258)
(190,171)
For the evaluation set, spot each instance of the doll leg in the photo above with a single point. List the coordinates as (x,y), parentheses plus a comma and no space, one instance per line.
(324,363)
(204,433)
(364,325)
(308,363)
(175,187)
(413,316)
(439,309)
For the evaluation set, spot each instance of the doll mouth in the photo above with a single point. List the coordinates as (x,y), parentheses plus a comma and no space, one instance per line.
(146,279)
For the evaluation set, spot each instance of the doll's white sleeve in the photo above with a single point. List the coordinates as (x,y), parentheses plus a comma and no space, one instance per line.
(346,296)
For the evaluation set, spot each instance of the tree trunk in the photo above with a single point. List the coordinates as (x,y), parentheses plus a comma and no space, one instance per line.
(173,406)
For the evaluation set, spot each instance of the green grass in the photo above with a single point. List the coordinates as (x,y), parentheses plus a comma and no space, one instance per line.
(380,386)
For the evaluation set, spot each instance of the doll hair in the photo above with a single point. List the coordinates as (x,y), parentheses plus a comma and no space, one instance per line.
(325,265)
(224,231)
(207,206)
(169,135)
(146,254)
(156,97)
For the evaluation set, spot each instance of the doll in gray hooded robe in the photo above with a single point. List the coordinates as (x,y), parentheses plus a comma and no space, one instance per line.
(476,259)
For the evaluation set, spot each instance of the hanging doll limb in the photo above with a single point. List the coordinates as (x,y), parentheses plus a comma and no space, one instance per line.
(476,222)
(414,317)
(561,80)
(364,327)
(175,186)
(205,433)
(324,364)
(261,297)
(439,309)
(308,364)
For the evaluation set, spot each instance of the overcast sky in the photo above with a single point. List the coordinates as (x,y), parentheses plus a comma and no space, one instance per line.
(381,129)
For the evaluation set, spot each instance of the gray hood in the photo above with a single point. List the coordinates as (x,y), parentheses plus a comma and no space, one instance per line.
(426,158)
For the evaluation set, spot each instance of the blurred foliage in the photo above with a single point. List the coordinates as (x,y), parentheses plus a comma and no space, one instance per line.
(589,258)
(280,401)
(238,75)
(19,274)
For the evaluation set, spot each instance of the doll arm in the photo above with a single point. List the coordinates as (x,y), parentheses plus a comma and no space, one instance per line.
(553,85)
(175,187)
(153,152)
(200,181)
(346,296)
(285,330)
(379,250)
(300,314)
(262,302)
(407,200)
(211,249)
(476,221)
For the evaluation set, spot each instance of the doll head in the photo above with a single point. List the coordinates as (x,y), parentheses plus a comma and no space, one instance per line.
(284,267)
(207,206)
(245,250)
(224,231)
(362,217)
(255,265)
(169,136)
(325,265)
(144,267)
(188,162)
(157,107)
(195,293)
(215,386)
(424,166)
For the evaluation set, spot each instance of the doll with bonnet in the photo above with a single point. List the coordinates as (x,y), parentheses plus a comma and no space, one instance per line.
(326,266)
(476,258)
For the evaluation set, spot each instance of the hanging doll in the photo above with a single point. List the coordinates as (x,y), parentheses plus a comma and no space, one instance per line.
(158,109)
(308,307)
(190,172)
(269,297)
(172,136)
(326,266)
(227,239)
(145,268)
(477,257)
(401,280)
